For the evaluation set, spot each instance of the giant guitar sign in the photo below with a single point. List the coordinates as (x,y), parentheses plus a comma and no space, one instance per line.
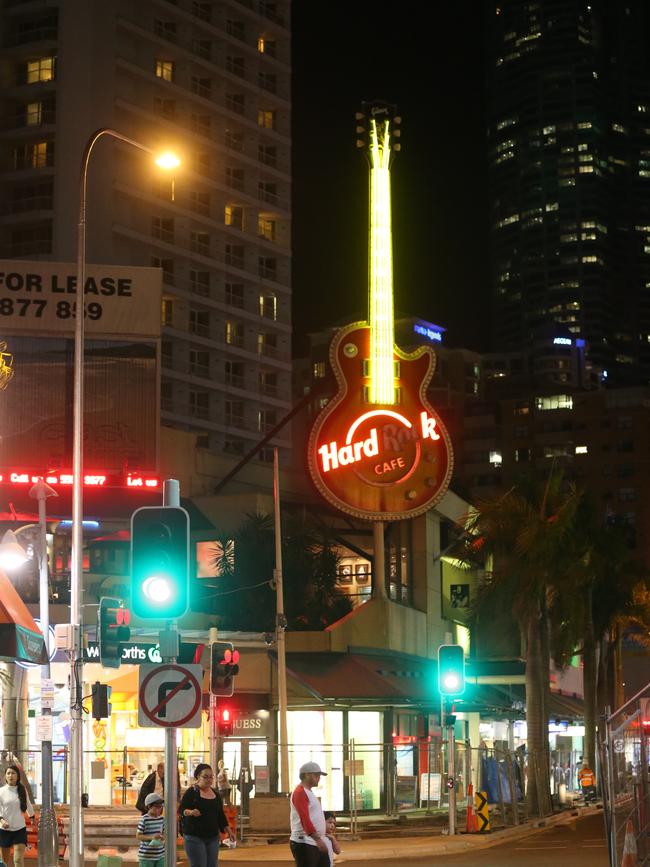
(378,450)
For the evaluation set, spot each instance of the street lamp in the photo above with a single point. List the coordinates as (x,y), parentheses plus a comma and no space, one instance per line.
(164,161)
(12,556)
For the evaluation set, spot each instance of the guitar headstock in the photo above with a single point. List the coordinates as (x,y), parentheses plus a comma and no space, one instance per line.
(377,128)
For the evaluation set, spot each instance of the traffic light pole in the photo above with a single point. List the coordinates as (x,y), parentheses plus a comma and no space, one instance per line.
(169,653)
(214,735)
(451,769)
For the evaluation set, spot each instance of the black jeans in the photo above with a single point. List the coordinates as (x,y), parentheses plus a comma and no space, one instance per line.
(306,855)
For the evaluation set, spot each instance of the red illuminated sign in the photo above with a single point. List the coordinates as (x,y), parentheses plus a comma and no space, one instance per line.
(382,462)
(91,480)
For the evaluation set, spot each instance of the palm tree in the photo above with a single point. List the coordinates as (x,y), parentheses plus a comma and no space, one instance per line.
(525,534)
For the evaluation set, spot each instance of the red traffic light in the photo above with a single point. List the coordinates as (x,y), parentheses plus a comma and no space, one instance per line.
(225,715)
(227,655)
(235,657)
(123,617)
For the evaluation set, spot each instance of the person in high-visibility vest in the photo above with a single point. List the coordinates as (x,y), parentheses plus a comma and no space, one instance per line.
(587,781)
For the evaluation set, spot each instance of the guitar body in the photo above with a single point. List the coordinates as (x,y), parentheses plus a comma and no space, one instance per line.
(379,461)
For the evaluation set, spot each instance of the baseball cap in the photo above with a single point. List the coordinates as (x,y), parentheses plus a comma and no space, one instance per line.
(153,798)
(311,768)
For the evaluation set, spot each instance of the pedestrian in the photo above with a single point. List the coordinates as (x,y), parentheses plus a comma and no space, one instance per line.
(203,819)
(333,847)
(151,833)
(14,803)
(223,782)
(155,782)
(307,819)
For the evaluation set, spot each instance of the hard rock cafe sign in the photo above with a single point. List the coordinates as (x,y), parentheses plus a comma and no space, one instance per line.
(378,450)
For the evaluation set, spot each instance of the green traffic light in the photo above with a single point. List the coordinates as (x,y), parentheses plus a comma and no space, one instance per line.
(451,669)
(160,562)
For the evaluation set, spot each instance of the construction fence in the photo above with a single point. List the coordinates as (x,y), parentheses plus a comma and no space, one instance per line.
(625,752)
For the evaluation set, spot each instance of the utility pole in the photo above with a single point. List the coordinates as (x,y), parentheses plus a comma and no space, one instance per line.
(280,629)
(450,721)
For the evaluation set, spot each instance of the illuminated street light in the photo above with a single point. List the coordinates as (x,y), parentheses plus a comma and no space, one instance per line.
(165,161)
(12,553)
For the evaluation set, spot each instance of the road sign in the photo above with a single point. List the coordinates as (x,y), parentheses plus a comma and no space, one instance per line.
(170,695)
(482,813)
(619,745)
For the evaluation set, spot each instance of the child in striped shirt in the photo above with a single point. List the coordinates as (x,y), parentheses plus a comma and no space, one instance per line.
(151,833)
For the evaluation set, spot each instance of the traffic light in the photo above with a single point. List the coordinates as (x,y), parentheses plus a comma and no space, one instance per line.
(160,552)
(451,669)
(224,722)
(100,698)
(224,667)
(112,630)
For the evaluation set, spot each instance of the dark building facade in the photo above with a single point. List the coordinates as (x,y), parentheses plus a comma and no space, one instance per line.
(568,112)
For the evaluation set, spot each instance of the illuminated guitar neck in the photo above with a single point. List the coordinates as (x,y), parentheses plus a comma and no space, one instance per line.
(380,267)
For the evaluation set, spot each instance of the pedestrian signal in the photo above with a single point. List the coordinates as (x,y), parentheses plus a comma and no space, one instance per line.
(113,630)
(224,667)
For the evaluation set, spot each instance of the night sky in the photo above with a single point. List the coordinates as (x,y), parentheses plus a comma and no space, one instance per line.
(431,66)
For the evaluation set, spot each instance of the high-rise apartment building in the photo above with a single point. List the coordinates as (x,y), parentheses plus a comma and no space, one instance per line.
(568,106)
(212,81)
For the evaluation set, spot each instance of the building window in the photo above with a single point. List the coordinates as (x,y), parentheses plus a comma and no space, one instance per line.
(32,197)
(236,29)
(267,154)
(200,202)
(43,69)
(165,29)
(167,312)
(202,48)
(495,458)
(166,396)
(166,266)
(234,255)
(165,70)
(269,306)
(555,401)
(201,86)
(200,362)
(200,283)
(201,163)
(267,267)
(266,46)
(626,494)
(234,333)
(319,369)
(399,563)
(202,10)
(234,413)
(200,243)
(234,140)
(36,155)
(234,373)
(167,352)
(199,404)
(522,455)
(233,447)
(267,81)
(164,107)
(201,123)
(236,65)
(163,228)
(33,113)
(582,450)
(268,383)
(236,102)
(233,216)
(266,228)
(234,294)
(234,178)
(267,344)
(266,420)
(266,118)
(31,240)
(200,322)
(267,192)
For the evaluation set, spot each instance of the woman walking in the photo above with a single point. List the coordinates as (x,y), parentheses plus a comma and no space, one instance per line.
(203,819)
(14,803)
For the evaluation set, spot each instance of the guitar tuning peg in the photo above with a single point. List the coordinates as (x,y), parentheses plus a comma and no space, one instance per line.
(359,116)
(397,119)
(397,133)
(361,143)
(360,130)
(397,147)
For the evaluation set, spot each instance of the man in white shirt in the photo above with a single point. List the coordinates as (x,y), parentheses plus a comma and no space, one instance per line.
(307,819)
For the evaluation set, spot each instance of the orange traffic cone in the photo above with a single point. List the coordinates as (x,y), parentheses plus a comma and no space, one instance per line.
(629,847)
(471,824)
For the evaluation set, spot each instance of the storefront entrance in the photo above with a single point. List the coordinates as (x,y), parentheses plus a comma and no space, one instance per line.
(245,760)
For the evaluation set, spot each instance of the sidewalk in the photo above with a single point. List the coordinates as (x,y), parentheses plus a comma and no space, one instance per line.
(404,847)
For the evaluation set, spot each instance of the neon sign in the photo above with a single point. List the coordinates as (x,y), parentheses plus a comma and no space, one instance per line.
(147,481)
(563,341)
(429,333)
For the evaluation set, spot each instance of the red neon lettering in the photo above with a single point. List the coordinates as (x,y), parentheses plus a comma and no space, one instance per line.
(19,478)
(94,480)
(134,481)
(52,480)
(66,478)
(151,483)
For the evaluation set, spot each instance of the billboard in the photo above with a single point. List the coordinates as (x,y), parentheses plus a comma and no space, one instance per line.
(121,405)
(39,298)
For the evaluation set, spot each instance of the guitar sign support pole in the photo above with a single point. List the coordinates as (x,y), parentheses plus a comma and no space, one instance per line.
(379,561)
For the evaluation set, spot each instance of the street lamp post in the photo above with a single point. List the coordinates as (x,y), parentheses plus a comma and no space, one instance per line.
(166,161)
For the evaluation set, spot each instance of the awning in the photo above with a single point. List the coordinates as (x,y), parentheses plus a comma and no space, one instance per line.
(20,638)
